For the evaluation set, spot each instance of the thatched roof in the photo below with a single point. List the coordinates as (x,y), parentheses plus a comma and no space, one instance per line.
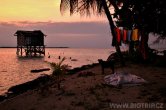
(29,33)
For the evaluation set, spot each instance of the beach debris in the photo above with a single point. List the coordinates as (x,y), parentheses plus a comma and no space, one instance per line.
(17,89)
(74,60)
(123,79)
(49,55)
(59,57)
(4,71)
(40,70)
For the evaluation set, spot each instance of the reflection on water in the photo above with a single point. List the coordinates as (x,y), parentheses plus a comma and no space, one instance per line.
(16,70)
(77,57)
(29,57)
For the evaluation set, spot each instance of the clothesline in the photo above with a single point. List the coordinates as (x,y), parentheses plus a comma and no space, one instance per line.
(126,36)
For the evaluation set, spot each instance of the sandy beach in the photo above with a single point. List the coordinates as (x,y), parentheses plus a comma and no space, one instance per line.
(89,91)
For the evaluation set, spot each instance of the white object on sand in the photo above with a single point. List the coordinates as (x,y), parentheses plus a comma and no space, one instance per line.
(123,78)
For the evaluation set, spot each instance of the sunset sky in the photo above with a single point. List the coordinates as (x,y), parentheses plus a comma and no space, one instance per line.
(44,15)
(72,31)
(36,10)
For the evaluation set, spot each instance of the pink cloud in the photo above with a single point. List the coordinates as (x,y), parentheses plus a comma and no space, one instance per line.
(72,34)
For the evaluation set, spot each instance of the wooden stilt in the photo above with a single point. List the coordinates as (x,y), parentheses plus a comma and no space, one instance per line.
(17,50)
(21,50)
(44,50)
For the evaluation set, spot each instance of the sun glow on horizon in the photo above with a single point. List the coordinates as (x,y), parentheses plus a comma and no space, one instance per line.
(37,11)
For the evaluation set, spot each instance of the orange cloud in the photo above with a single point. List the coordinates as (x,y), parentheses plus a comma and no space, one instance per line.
(37,10)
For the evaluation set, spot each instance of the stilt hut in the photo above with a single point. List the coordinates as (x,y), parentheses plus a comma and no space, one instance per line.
(30,43)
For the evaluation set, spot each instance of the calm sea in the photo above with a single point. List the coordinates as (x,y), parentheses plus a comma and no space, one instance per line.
(16,70)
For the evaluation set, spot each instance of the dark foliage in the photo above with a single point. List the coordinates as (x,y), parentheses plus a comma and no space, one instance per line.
(147,15)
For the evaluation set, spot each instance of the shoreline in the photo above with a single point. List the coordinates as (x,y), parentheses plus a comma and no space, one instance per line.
(85,89)
(15,90)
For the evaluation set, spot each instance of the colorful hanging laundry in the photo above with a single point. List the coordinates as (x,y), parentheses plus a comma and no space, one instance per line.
(129,35)
(124,35)
(118,35)
(135,35)
(117,39)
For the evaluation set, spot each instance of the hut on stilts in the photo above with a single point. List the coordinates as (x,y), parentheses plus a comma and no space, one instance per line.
(30,43)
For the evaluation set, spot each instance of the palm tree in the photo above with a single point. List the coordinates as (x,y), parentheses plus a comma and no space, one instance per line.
(99,7)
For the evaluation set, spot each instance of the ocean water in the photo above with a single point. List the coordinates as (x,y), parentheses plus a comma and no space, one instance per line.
(15,70)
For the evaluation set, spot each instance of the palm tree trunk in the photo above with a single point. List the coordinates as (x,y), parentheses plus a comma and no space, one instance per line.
(112,27)
(144,45)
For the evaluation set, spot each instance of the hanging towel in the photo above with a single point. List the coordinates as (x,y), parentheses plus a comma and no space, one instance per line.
(124,35)
(129,35)
(135,35)
(118,35)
